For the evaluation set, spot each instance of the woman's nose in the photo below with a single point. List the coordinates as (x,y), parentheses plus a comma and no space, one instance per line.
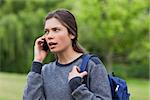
(50,36)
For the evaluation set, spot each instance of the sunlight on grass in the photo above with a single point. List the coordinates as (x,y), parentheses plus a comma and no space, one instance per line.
(139,89)
(11,86)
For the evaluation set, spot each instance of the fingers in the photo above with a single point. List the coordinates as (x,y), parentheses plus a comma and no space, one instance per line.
(83,74)
(39,41)
(76,70)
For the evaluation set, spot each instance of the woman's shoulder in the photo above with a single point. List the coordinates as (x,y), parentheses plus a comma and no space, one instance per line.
(94,61)
(95,64)
(93,58)
(47,66)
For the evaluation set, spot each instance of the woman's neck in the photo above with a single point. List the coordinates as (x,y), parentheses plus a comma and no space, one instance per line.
(67,57)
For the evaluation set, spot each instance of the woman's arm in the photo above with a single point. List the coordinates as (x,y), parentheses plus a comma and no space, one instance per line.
(34,87)
(99,87)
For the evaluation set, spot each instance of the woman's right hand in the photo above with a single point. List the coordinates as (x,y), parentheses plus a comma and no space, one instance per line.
(39,53)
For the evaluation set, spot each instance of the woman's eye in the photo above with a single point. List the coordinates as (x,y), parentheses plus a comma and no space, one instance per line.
(46,32)
(56,29)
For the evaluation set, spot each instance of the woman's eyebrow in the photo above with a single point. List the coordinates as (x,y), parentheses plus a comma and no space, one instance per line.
(52,28)
(57,27)
(46,29)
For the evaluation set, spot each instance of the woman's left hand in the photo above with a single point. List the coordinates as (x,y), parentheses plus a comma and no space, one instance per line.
(76,73)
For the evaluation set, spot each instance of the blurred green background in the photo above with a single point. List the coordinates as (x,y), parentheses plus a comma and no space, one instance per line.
(115,30)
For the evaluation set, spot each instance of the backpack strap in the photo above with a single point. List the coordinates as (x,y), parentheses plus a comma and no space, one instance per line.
(84,67)
(85,59)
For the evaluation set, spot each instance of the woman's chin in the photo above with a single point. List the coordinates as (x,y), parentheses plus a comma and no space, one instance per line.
(54,51)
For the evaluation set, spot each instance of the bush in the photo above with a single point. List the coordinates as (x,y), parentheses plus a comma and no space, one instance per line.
(132,71)
(139,71)
(121,71)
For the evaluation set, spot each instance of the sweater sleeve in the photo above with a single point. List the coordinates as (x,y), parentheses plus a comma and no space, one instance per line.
(34,87)
(99,86)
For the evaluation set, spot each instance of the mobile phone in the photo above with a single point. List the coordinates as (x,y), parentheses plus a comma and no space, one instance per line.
(45,46)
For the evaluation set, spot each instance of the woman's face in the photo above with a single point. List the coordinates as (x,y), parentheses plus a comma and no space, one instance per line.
(57,36)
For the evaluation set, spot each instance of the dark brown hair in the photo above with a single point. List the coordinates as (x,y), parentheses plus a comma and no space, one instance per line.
(67,19)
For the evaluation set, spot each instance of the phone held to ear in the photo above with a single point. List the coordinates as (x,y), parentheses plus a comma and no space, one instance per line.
(45,46)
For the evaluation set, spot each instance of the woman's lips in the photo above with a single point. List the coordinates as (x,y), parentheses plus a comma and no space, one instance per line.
(52,44)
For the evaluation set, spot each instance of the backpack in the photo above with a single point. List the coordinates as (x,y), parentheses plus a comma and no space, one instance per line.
(119,89)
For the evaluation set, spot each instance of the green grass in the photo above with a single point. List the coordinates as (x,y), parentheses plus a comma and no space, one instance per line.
(139,89)
(12,86)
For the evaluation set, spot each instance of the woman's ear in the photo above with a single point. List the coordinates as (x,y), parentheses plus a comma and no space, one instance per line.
(71,36)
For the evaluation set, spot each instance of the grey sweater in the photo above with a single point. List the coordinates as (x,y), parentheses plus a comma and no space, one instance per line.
(50,82)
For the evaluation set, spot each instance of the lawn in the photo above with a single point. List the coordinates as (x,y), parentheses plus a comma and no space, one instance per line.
(12,85)
(139,89)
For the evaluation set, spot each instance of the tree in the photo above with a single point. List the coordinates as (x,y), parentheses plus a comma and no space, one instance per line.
(21,22)
(116,30)
(114,27)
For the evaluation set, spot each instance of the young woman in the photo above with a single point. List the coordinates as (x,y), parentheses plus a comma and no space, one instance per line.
(61,79)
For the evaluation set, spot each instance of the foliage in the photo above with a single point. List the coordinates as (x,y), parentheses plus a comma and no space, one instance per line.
(131,71)
(116,30)
(19,26)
